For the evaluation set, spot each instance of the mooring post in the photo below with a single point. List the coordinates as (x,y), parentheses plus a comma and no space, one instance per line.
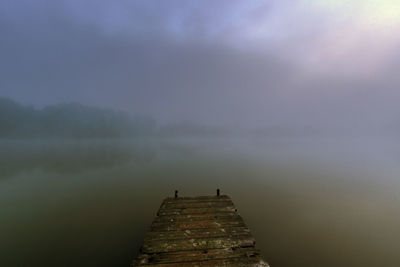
(176,193)
(217,192)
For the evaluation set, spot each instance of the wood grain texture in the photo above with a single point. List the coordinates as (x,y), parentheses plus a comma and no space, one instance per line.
(198,231)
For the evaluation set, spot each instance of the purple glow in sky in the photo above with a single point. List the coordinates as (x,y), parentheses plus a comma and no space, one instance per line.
(250,63)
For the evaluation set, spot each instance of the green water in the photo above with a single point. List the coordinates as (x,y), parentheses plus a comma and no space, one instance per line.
(90,203)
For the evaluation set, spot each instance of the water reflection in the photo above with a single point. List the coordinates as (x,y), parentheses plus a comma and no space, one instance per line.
(68,156)
(90,203)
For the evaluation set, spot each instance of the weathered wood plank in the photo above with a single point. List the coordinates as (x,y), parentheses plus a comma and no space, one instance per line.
(198,233)
(196,211)
(188,201)
(232,262)
(159,246)
(196,199)
(197,255)
(191,205)
(174,226)
(197,217)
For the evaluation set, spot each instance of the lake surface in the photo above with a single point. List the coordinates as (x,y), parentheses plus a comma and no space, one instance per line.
(308,201)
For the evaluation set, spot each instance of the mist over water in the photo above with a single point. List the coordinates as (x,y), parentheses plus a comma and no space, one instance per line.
(308,202)
(289,107)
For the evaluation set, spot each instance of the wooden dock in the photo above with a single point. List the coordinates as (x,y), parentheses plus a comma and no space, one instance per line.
(198,231)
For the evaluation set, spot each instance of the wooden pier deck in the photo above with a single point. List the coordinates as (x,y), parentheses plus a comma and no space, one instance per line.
(198,231)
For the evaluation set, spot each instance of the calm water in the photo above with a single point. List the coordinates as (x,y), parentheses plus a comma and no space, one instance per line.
(309,202)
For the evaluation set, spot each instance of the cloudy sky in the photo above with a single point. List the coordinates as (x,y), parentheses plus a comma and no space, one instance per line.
(231,62)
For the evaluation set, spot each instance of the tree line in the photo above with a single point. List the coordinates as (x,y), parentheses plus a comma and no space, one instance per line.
(69,120)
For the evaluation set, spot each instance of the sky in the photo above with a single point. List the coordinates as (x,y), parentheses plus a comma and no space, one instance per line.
(313,63)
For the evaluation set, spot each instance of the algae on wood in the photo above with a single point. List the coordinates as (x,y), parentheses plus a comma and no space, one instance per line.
(198,231)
